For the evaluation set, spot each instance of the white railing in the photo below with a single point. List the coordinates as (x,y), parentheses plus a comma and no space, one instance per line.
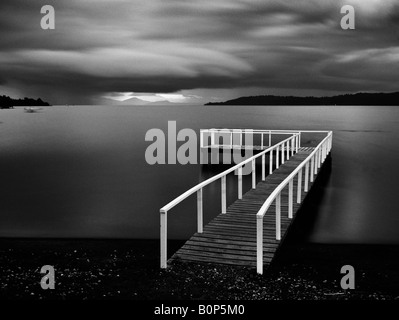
(282,146)
(314,161)
(236,135)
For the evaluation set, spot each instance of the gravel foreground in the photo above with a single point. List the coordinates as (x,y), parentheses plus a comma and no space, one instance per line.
(129,269)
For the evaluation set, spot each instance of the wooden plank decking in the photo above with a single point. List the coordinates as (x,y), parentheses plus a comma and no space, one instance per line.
(230,238)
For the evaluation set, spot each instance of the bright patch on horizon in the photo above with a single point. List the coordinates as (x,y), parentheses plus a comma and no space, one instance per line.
(177,98)
(148,97)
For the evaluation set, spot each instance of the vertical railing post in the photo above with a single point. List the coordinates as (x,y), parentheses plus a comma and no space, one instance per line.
(231,139)
(201,139)
(312,164)
(319,159)
(293,145)
(271,162)
(240,183)
(277,157)
(261,141)
(163,236)
(326,150)
(199,212)
(299,187)
(282,153)
(278,217)
(263,167)
(223,181)
(328,144)
(253,174)
(297,143)
(322,153)
(259,244)
(288,149)
(320,156)
(290,197)
(306,187)
(212,138)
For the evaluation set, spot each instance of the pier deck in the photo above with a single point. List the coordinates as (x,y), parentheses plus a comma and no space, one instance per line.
(230,238)
(249,231)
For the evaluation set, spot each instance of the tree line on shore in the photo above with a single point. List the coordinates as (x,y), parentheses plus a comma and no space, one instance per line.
(361,99)
(8,102)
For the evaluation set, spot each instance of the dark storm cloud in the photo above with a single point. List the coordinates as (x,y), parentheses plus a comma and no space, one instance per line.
(108,46)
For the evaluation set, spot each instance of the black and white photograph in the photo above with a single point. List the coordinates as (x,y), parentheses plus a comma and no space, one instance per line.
(193,159)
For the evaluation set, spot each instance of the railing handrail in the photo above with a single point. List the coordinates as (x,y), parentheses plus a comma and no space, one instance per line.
(284,183)
(278,131)
(202,184)
(248,130)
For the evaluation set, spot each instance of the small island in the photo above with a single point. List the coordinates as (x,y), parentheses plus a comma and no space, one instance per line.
(7,102)
(357,99)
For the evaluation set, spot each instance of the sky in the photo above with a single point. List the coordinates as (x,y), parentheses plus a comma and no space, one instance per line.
(195,51)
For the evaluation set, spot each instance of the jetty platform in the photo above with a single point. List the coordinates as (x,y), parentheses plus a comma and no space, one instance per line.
(249,231)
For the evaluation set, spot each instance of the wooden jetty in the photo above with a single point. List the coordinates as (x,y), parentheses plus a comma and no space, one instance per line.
(250,230)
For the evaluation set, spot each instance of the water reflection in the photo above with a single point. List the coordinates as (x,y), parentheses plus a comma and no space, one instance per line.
(81,171)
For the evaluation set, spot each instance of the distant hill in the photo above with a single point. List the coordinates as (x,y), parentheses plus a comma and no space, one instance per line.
(136,102)
(368,99)
(7,102)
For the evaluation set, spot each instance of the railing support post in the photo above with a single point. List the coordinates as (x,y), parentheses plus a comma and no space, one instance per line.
(278,217)
(292,145)
(163,236)
(320,156)
(261,141)
(271,162)
(212,138)
(290,198)
(199,211)
(253,174)
(299,188)
(282,153)
(240,183)
(312,165)
(223,180)
(306,188)
(277,157)
(288,149)
(259,244)
(263,167)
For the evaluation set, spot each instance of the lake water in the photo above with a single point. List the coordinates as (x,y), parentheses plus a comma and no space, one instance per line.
(80,171)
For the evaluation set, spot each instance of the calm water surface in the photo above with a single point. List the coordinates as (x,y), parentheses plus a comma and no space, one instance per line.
(81,171)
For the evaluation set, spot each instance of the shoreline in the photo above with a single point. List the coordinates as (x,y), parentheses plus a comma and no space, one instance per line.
(129,270)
